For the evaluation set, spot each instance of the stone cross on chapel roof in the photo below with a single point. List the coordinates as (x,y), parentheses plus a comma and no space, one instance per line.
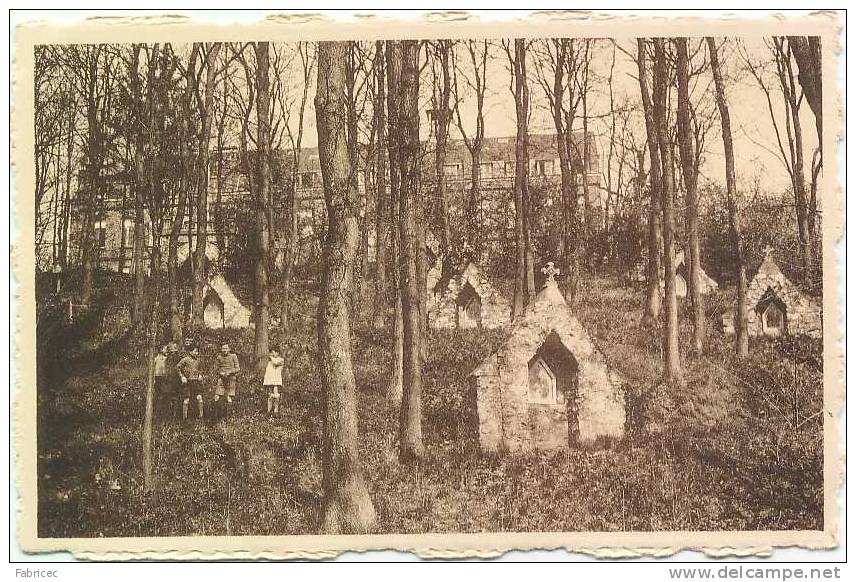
(551,271)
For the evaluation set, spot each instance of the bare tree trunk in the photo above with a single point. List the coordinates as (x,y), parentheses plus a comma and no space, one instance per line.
(422,272)
(185,185)
(148,417)
(139,179)
(262,194)
(474,142)
(473,224)
(442,119)
(652,293)
(395,388)
(523,293)
(69,173)
(94,182)
(351,90)
(219,219)
(381,292)
(793,126)
(296,145)
(672,364)
(151,350)
(200,262)
(588,210)
(172,267)
(363,249)
(521,91)
(410,420)
(567,184)
(347,505)
(688,165)
(807,52)
(741,318)
(289,258)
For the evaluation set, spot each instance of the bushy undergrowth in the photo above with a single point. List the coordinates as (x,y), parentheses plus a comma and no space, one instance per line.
(737,446)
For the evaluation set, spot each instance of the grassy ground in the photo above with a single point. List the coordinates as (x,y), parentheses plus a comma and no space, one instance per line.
(737,447)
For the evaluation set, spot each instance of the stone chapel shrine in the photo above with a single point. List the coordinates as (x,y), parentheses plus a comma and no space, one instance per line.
(682,277)
(548,386)
(466,300)
(777,307)
(221,308)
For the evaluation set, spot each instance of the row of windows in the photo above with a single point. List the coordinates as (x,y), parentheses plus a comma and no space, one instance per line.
(101,233)
(544,167)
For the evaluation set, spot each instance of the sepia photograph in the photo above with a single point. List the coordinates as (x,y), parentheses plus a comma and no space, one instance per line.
(349,284)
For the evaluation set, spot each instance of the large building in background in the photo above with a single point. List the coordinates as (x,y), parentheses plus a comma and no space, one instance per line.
(230,203)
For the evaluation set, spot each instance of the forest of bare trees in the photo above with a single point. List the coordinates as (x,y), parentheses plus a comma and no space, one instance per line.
(156,118)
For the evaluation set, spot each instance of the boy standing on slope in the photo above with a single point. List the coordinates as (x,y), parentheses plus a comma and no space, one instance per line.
(227,371)
(191,380)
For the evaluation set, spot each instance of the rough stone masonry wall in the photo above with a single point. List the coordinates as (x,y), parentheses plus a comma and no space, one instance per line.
(234,313)
(509,422)
(803,315)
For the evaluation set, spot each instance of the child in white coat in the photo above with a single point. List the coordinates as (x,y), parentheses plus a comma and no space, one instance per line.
(273,380)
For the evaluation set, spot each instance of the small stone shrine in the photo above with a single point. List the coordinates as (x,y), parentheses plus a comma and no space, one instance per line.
(221,308)
(776,307)
(548,386)
(467,300)
(682,277)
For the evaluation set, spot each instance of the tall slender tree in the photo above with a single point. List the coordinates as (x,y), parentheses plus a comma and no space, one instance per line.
(410,420)
(139,128)
(93,77)
(382,204)
(791,150)
(393,76)
(186,163)
(671,354)
(347,505)
(807,53)
(476,82)
(307,63)
(689,167)
(206,106)
(559,70)
(524,280)
(741,318)
(442,117)
(805,209)
(652,293)
(262,202)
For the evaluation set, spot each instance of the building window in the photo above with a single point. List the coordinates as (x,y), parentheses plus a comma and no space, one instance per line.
(508,168)
(101,237)
(543,167)
(128,227)
(452,170)
(485,169)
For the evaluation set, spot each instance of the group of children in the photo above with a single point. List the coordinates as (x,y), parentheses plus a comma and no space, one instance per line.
(185,381)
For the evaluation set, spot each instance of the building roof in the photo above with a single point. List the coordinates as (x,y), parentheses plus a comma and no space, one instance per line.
(494,149)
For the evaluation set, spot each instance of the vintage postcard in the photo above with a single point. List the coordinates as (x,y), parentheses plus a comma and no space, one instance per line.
(446,285)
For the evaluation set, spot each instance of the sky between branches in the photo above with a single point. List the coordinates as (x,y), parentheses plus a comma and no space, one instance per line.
(756,149)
